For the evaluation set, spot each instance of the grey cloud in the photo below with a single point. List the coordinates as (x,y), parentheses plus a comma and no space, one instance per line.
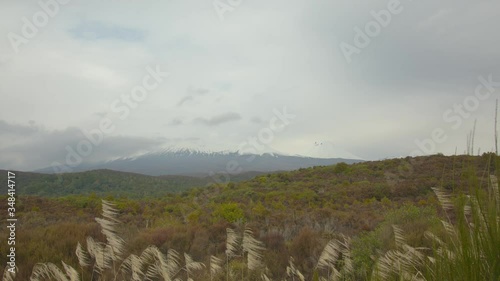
(101,114)
(119,146)
(28,148)
(177,140)
(191,94)
(21,130)
(176,122)
(184,100)
(440,47)
(257,120)
(100,30)
(218,119)
(219,99)
(197,91)
(417,67)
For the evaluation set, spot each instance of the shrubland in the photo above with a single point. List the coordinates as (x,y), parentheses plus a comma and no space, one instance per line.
(397,219)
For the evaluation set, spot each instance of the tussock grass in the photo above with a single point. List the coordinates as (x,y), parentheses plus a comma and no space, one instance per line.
(469,250)
(472,247)
(215,266)
(253,249)
(8,275)
(293,272)
(336,260)
(107,263)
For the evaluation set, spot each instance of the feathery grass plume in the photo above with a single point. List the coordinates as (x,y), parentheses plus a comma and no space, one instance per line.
(415,255)
(384,266)
(253,248)
(153,259)
(232,246)
(345,249)
(8,275)
(232,243)
(392,265)
(450,229)
(467,206)
(444,252)
(292,271)
(404,262)
(477,212)
(108,211)
(336,258)
(113,240)
(398,236)
(329,255)
(71,272)
(192,265)
(443,197)
(149,255)
(82,256)
(133,264)
(215,266)
(47,270)
(163,266)
(108,228)
(100,252)
(431,236)
(328,258)
(264,277)
(173,263)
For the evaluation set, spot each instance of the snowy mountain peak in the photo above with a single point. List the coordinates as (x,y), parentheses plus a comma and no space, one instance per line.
(188,161)
(186,151)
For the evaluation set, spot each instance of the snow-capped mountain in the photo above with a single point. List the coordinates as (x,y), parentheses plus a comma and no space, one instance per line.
(180,161)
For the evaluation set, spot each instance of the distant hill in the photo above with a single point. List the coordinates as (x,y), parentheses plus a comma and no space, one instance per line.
(411,175)
(198,163)
(156,174)
(107,182)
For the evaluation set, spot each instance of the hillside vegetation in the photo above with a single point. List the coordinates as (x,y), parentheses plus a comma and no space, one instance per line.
(295,216)
(108,182)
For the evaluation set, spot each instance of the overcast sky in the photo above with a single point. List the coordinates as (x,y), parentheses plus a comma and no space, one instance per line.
(231,68)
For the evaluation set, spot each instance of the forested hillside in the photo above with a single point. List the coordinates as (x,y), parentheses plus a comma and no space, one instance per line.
(108,182)
(294,214)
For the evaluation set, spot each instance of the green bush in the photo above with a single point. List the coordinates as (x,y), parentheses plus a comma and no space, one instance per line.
(230,212)
(340,168)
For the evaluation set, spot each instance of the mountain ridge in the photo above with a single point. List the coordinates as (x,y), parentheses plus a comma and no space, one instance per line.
(104,182)
(189,162)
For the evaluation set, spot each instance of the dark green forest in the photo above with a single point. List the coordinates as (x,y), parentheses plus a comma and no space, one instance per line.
(108,182)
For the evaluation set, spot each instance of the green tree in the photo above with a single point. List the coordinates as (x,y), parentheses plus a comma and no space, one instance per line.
(230,212)
(340,168)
